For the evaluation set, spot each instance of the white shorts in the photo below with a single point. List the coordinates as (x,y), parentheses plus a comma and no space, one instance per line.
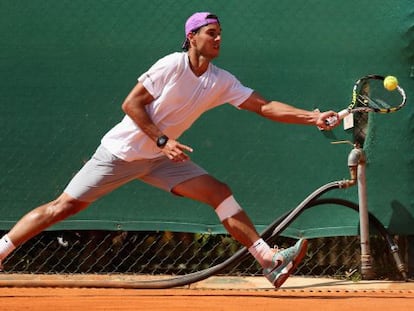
(105,172)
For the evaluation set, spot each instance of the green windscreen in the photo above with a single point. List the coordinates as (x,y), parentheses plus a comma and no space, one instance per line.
(66,66)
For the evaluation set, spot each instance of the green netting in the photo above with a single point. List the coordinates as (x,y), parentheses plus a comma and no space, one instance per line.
(66,67)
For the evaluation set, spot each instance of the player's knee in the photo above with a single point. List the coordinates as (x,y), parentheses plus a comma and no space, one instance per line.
(62,208)
(216,193)
(228,208)
(220,192)
(68,208)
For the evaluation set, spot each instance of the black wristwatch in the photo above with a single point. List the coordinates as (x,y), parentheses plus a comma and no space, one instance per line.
(162,141)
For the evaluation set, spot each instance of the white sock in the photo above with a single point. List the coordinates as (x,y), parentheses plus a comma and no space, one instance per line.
(6,247)
(262,252)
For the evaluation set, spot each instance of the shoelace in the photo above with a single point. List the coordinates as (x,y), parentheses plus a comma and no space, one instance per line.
(277,248)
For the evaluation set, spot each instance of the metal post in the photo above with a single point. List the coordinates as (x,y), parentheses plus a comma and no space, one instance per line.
(357,160)
(366,259)
(357,164)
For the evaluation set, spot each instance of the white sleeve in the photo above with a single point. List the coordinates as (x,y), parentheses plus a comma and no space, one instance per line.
(239,93)
(234,92)
(159,74)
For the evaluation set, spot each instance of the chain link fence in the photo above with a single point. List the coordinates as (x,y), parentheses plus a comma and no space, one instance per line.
(169,253)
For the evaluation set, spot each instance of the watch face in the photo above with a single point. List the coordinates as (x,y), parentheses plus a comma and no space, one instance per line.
(162,141)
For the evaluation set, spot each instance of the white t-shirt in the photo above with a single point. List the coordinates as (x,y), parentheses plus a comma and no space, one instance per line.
(180,98)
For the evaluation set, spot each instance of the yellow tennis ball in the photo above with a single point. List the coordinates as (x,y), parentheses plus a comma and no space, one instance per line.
(390,83)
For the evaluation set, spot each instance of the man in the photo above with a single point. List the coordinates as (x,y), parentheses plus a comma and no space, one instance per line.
(165,102)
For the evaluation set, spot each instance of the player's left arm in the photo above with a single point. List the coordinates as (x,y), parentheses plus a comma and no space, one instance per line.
(281,112)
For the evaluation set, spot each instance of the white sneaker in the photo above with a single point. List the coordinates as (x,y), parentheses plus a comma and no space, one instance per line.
(281,270)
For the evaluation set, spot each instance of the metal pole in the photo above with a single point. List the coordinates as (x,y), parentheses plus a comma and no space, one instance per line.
(366,259)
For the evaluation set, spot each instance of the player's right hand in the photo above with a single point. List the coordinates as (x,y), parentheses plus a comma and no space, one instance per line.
(328,120)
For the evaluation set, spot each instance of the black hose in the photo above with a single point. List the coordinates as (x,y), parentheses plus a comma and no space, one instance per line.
(273,229)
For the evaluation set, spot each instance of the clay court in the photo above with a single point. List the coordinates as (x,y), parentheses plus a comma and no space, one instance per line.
(216,293)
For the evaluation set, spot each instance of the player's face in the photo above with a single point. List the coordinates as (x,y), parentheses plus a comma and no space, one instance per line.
(207,41)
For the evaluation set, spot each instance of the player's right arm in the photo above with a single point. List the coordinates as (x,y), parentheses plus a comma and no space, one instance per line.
(281,112)
(134,106)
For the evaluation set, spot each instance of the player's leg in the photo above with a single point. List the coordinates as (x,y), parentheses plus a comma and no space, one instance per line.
(277,265)
(100,175)
(45,216)
(208,190)
(38,220)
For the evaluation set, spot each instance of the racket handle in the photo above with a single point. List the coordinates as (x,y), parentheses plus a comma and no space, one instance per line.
(341,114)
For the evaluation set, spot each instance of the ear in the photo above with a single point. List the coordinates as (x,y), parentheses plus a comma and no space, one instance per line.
(191,37)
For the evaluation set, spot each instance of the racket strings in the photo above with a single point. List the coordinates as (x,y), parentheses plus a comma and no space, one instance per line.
(371,95)
(375,103)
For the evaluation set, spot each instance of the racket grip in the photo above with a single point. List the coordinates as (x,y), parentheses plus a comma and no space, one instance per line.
(341,114)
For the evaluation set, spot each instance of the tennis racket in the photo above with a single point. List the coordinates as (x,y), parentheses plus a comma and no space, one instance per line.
(370,95)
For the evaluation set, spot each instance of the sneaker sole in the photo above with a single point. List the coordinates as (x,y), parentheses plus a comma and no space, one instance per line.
(295,262)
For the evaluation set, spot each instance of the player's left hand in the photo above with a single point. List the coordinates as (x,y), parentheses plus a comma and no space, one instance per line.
(176,151)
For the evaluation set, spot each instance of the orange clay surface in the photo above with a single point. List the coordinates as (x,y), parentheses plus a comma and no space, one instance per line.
(216,293)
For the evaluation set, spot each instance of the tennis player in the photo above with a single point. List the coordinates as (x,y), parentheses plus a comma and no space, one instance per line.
(167,99)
